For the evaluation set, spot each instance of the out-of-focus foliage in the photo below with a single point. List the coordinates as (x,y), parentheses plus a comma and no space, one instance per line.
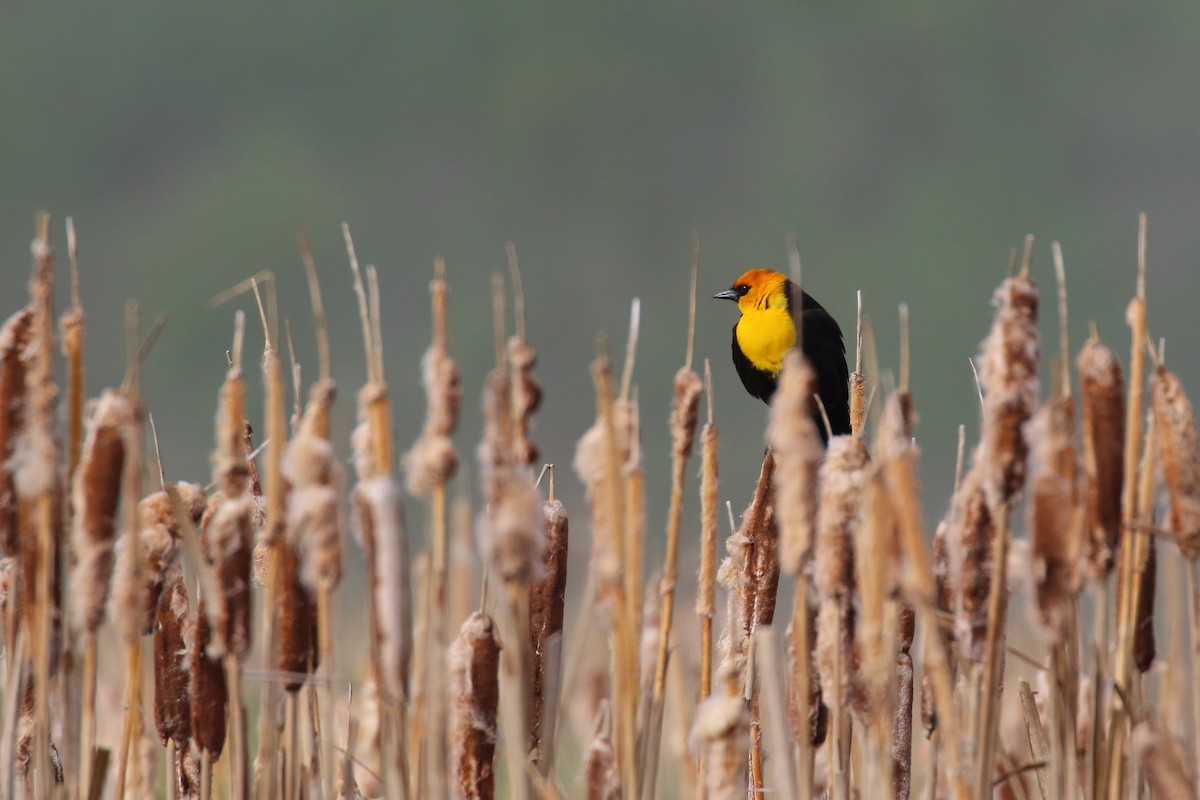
(908,145)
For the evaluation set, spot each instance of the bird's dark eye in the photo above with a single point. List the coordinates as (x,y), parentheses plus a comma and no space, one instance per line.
(741,289)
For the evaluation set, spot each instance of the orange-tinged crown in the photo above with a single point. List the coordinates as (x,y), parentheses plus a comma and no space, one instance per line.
(761,288)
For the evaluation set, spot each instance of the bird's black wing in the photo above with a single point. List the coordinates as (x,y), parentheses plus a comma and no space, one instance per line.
(758,383)
(821,341)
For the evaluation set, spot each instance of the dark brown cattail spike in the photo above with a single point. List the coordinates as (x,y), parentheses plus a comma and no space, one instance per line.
(95,496)
(14,338)
(1102,393)
(474,685)
(174,630)
(546,605)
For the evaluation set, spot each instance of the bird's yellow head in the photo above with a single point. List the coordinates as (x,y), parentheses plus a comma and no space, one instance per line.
(758,289)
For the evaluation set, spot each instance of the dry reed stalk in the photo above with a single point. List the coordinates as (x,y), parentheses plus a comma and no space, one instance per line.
(429,465)
(546,607)
(721,731)
(858,381)
(1162,760)
(919,582)
(1008,376)
(1058,544)
(843,479)
(684,410)
(634,474)
(36,480)
(1112,784)
(474,663)
(432,460)
(758,538)
(598,459)
(70,326)
(1102,393)
(707,581)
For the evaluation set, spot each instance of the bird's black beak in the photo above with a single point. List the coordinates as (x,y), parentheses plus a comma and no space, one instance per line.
(726,294)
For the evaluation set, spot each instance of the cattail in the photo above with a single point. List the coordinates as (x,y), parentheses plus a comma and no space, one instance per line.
(797,448)
(94,496)
(707,583)
(1103,401)
(297,621)
(1054,520)
(385,543)
(759,535)
(600,777)
(14,338)
(971,532)
(474,663)
(208,693)
(1144,647)
(721,733)
(1179,455)
(591,464)
(316,477)
(228,544)
(174,631)
(159,539)
(432,460)
(526,398)
(843,480)
(546,600)
(1008,362)
(510,530)
(1163,762)
(816,725)
(902,728)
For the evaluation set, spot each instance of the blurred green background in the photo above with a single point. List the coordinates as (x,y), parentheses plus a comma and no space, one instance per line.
(908,146)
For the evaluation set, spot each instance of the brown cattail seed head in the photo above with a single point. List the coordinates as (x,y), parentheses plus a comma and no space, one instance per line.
(684,406)
(14,339)
(721,733)
(313,516)
(1102,393)
(208,690)
(709,503)
(796,443)
(159,537)
(546,606)
(526,397)
(1008,362)
(843,480)
(1055,519)
(474,663)
(174,634)
(95,494)
(1179,455)
(432,460)
(971,531)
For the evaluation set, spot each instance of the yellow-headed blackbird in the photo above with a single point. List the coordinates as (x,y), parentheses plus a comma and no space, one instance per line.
(766,330)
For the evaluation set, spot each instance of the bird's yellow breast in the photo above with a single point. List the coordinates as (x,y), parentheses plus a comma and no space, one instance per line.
(765,335)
